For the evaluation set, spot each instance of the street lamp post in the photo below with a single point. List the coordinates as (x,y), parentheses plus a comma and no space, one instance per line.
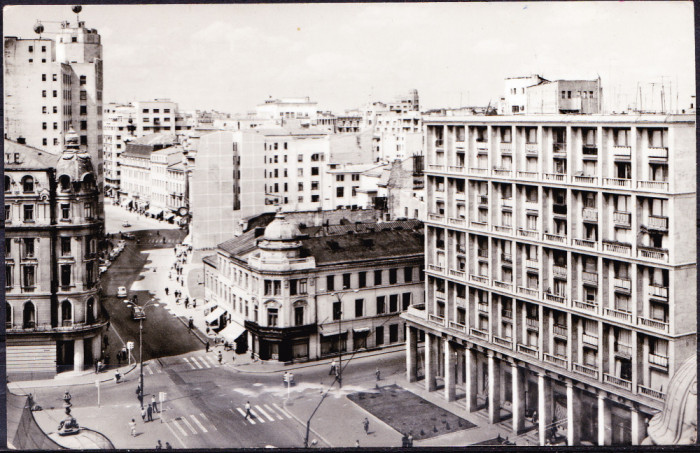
(141,356)
(340,349)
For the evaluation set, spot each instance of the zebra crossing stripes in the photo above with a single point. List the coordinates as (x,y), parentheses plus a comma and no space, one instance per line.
(188,362)
(252,422)
(194,419)
(273,412)
(201,362)
(260,409)
(192,424)
(259,414)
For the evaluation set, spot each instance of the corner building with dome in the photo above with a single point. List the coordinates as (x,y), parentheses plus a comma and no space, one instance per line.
(54,319)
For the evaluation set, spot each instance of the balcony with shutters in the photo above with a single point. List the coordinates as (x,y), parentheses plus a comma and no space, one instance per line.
(656,186)
(458,327)
(555,298)
(554,177)
(559,209)
(622,152)
(624,351)
(532,149)
(560,331)
(559,149)
(529,175)
(503,172)
(657,153)
(532,323)
(507,286)
(559,272)
(482,145)
(622,283)
(590,340)
(590,278)
(622,218)
(590,215)
(479,279)
(531,292)
(589,152)
(660,361)
(651,393)
(478,171)
(481,334)
(559,239)
(586,179)
(483,307)
(530,234)
(586,243)
(659,223)
(658,292)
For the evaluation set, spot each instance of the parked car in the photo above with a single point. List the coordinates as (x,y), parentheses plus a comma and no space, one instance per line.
(121,243)
(121,291)
(128,235)
(137,312)
(126,224)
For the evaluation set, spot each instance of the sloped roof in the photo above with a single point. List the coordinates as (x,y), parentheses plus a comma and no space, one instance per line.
(29,157)
(160,138)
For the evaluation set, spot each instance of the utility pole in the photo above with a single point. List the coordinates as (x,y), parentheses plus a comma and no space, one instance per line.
(141,357)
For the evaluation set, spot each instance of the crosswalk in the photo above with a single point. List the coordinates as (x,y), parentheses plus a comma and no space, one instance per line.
(151,368)
(192,424)
(201,362)
(262,413)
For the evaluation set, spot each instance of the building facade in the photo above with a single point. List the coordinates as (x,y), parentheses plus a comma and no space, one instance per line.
(561,267)
(54,317)
(312,293)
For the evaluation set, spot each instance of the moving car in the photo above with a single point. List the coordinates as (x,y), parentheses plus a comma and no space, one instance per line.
(121,291)
(126,224)
(137,312)
(103,269)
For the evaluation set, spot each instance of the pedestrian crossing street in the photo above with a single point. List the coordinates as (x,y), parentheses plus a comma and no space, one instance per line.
(201,362)
(262,413)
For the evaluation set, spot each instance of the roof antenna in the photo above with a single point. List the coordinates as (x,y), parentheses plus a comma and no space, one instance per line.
(76,9)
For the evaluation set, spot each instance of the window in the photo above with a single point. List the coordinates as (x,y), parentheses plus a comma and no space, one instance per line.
(28,212)
(393,276)
(28,276)
(406,301)
(8,183)
(268,287)
(298,316)
(362,279)
(340,178)
(83,125)
(8,247)
(43,94)
(314,198)
(381,305)
(65,246)
(336,311)
(408,274)
(65,211)
(300,158)
(302,286)
(8,277)
(28,183)
(340,192)
(359,305)
(65,274)
(393,333)
(393,303)
(83,95)
(314,171)
(293,287)
(380,335)
(272,317)
(28,248)
(346,281)
(330,282)
(377,277)
(300,186)
(31,49)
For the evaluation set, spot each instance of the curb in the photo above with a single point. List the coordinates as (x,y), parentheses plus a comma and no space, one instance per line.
(303,424)
(324,362)
(194,331)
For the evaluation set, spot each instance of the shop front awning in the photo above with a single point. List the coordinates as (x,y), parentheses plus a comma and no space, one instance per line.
(168,216)
(210,305)
(177,219)
(361,330)
(332,333)
(154,211)
(215,315)
(232,331)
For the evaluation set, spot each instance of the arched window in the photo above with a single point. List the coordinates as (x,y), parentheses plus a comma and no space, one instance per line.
(8,316)
(89,182)
(90,316)
(8,183)
(64,183)
(28,184)
(66,313)
(29,315)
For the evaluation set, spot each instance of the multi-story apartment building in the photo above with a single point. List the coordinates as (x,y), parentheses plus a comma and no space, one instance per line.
(167,181)
(54,318)
(536,95)
(52,85)
(313,292)
(561,267)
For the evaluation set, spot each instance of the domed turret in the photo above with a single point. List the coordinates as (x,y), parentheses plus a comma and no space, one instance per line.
(281,230)
(74,162)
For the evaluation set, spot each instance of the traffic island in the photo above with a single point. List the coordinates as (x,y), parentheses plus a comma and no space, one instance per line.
(408,413)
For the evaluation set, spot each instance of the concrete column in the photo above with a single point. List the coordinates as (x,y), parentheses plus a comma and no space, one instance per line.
(544,405)
(573,413)
(430,362)
(604,420)
(96,347)
(411,353)
(471,378)
(494,396)
(518,378)
(78,354)
(449,371)
(638,426)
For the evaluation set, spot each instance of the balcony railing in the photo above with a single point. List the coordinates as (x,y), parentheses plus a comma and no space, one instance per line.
(478,225)
(532,351)
(622,218)
(559,148)
(440,294)
(555,298)
(661,186)
(658,291)
(557,177)
(416,311)
(622,151)
(506,313)
(658,360)
(559,271)
(458,222)
(479,171)
(589,339)
(658,152)
(439,143)
(585,243)
(436,217)
(436,167)
(479,334)
(483,199)
(555,238)
(482,253)
(436,319)
(482,145)
(617,247)
(503,172)
(458,274)
(653,324)
(658,222)
(484,308)
(527,174)
(589,150)
(532,234)
(623,283)
(479,279)
(562,331)
(623,350)
(651,253)
(506,257)
(646,391)
(558,361)
(503,229)
(506,148)
(532,322)
(617,382)
(586,179)
(458,327)
(533,264)
(586,370)
(436,268)
(503,285)
(589,277)
(532,148)
(587,306)
(456,168)
(590,214)
(617,182)
(534,293)
(505,342)
(619,315)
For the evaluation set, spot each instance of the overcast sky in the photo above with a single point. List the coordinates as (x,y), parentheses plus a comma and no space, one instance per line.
(232,57)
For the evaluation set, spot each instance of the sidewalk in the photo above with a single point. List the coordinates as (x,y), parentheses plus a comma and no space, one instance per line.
(70,379)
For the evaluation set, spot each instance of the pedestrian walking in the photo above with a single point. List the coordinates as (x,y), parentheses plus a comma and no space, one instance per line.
(166,291)
(247,410)
(187,302)
(378,374)
(149,413)
(285,378)
(168,446)
(117,377)
(334,365)
(357,443)
(154,403)
(132,426)
(233,358)
(206,347)
(143,414)
(159,446)
(190,324)
(410,439)
(221,357)
(365,423)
